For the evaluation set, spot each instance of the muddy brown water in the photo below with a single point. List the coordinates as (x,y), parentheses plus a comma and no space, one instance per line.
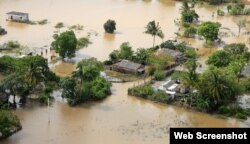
(119,118)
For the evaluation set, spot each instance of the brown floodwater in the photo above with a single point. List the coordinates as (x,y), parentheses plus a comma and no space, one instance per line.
(119,118)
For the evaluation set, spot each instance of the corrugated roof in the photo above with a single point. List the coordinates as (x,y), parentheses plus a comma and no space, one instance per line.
(17,13)
(128,65)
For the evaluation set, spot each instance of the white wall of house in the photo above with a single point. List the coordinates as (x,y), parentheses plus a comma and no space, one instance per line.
(23,18)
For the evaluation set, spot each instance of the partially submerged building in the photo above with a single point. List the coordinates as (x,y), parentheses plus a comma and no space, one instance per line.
(126,66)
(171,88)
(17,16)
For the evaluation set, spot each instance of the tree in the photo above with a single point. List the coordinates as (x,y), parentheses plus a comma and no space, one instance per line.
(35,69)
(236,48)
(14,85)
(219,59)
(189,16)
(114,56)
(191,77)
(65,44)
(187,13)
(219,85)
(7,64)
(209,30)
(100,88)
(241,24)
(86,83)
(109,26)
(68,86)
(142,55)
(155,30)
(126,51)
(190,32)
(88,70)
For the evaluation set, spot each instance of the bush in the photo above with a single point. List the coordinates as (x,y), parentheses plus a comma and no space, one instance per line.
(12,45)
(9,123)
(141,91)
(107,62)
(159,75)
(160,96)
(220,12)
(109,26)
(190,32)
(234,111)
(59,25)
(83,42)
(240,116)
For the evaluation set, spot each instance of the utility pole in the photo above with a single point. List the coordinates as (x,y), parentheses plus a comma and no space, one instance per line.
(48,112)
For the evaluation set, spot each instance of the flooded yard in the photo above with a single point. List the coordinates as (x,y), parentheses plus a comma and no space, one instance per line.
(120,118)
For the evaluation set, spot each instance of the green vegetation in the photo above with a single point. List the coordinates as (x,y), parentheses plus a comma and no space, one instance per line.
(83,42)
(9,123)
(190,32)
(76,27)
(86,83)
(110,26)
(126,52)
(182,47)
(65,44)
(219,59)
(218,87)
(147,92)
(155,30)
(209,30)
(233,111)
(188,14)
(25,75)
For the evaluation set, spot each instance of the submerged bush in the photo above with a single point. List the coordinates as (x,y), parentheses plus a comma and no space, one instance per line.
(110,26)
(9,123)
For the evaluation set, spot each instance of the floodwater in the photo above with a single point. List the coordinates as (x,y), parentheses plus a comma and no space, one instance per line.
(119,118)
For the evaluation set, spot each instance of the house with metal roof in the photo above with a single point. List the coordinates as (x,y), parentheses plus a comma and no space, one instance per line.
(17,16)
(127,66)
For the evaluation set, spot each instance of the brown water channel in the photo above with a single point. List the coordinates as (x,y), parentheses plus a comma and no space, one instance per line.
(120,118)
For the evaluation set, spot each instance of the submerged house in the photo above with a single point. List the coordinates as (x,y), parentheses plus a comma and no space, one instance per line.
(17,16)
(127,66)
(176,55)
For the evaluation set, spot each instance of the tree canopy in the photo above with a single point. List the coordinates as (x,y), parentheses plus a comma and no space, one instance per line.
(65,44)
(209,30)
(110,26)
(154,29)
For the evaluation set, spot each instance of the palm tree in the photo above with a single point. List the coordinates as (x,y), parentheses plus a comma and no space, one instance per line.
(155,30)
(241,24)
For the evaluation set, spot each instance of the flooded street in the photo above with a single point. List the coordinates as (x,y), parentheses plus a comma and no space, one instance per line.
(119,119)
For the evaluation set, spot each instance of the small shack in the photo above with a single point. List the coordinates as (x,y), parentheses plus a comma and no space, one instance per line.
(127,66)
(17,16)
(176,55)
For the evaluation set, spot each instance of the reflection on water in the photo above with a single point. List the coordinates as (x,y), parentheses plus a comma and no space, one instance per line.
(119,118)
